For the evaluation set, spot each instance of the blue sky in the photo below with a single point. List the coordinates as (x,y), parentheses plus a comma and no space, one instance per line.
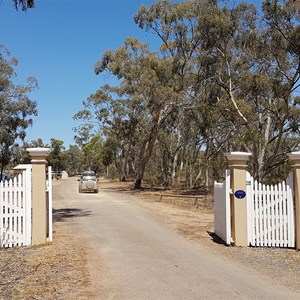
(59,42)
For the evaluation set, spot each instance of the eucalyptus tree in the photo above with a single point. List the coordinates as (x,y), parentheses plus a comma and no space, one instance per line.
(111,112)
(74,160)
(57,155)
(228,74)
(147,79)
(92,154)
(16,108)
(254,64)
(180,29)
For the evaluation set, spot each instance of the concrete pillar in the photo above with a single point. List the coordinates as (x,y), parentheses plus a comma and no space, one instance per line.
(238,203)
(39,207)
(295,159)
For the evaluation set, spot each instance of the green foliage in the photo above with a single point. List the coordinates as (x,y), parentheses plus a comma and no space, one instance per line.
(92,154)
(57,156)
(223,79)
(16,108)
(74,160)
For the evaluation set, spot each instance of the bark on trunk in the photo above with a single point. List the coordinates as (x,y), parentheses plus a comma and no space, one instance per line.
(146,154)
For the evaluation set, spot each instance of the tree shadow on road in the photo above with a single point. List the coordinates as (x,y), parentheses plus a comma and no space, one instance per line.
(60,215)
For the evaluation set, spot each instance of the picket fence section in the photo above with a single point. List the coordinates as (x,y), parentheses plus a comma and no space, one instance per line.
(15,211)
(270,213)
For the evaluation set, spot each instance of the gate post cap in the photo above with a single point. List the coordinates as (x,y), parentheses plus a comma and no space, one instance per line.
(40,152)
(238,155)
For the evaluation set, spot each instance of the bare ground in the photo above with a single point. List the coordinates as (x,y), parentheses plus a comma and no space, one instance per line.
(58,270)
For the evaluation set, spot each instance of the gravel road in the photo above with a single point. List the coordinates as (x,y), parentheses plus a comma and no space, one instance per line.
(133,254)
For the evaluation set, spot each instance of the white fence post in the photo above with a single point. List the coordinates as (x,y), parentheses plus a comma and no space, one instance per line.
(27,203)
(295,159)
(49,201)
(249,195)
(222,217)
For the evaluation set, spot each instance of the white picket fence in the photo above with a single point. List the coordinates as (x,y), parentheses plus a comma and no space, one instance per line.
(271,213)
(15,211)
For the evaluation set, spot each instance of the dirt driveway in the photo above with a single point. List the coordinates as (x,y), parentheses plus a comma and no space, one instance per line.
(62,270)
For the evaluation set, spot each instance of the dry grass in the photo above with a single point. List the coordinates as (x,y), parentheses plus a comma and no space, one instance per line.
(51,271)
(58,270)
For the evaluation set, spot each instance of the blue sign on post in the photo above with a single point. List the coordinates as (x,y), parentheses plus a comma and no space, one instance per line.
(240,194)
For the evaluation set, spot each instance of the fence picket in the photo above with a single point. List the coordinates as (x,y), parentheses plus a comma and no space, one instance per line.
(272,205)
(284,215)
(276,216)
(263,209)
(267,210)
(291,223)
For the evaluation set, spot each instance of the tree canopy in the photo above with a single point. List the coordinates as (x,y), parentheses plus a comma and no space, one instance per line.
(225,78)
(16,108)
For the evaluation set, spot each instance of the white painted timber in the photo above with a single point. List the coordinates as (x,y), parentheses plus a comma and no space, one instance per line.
(222,223)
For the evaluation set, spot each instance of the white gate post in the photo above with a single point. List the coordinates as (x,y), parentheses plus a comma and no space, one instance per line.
(39,207)
(295,159)
(238,199)
(28,205)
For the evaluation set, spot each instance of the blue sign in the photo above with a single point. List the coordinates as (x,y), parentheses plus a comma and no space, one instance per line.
(240,194)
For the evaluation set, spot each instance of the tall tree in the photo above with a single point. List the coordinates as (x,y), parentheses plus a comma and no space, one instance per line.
(92,154)
(224,79)
(16,107)
(117,117)
(57,155)
(147,80)
(74,160)
(254,64)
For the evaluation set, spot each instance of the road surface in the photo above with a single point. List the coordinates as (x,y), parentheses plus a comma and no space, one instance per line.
(133,255)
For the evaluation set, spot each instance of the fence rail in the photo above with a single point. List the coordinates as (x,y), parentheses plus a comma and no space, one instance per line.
(195,197)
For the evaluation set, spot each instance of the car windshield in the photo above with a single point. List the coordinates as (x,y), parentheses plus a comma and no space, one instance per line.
(87,178)
(89,173)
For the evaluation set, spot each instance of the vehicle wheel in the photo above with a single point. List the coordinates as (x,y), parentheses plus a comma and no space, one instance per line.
(96,191)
